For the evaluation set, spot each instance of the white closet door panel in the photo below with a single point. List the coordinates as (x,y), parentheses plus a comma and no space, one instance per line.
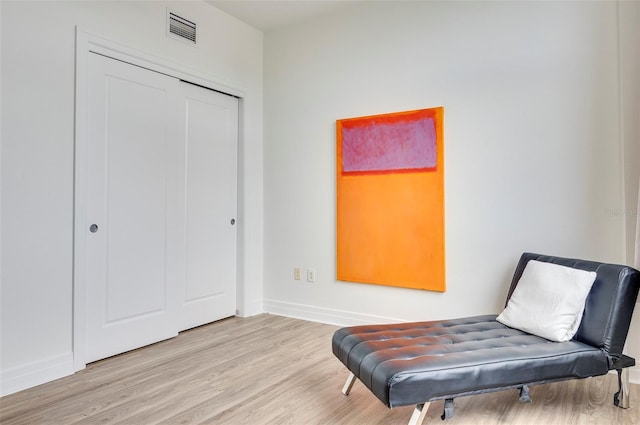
(211,125)
(136,150)
(128,291)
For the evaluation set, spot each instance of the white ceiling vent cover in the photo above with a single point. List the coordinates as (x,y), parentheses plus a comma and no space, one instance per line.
(181,27)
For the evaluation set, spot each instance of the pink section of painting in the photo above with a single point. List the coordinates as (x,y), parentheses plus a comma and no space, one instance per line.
(402,145)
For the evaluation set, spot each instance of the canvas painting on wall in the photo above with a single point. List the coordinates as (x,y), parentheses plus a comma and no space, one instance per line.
(390,199)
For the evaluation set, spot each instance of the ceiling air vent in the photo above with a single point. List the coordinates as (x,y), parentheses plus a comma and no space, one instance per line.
(181,27)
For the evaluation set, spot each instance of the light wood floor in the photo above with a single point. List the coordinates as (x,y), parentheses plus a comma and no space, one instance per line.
(275,370)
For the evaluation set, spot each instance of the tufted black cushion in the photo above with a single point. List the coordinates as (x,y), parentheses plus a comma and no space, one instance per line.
(412,363)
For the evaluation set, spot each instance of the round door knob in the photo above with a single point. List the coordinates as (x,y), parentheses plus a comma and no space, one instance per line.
(233,221)
(93,228)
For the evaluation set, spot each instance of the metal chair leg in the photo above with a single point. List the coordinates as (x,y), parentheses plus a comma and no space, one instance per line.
(448,409)
(525,397)
(419,414)
(621,398)
(349,384)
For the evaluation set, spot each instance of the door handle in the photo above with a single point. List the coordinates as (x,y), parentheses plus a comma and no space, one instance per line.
(93,228)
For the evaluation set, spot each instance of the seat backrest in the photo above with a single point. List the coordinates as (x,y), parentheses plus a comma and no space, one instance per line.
(609,305)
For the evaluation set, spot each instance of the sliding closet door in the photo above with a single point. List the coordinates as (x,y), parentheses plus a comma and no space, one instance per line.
(211,134)
(160,243)
(130,144)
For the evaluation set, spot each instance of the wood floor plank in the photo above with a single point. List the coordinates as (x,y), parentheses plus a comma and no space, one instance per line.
(275,370)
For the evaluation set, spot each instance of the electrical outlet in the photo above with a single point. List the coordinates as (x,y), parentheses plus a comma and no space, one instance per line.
(311,275)
(297,274)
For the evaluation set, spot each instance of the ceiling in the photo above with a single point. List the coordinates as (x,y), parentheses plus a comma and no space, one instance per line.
(267,15)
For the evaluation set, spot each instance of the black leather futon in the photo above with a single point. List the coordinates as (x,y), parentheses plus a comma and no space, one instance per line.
(416,363)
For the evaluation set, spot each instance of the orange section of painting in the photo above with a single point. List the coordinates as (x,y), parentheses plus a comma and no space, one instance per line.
(390,225)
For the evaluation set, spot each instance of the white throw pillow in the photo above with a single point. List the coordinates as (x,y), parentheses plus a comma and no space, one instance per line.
(548,300)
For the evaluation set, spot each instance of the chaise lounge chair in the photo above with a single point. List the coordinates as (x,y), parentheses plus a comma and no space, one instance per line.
(568,319)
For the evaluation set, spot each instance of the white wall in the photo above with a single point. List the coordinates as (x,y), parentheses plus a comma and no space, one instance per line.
(630,99)
(629,15)
(38,48)
(533,153)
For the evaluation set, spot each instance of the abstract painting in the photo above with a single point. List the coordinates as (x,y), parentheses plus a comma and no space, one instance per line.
(390,199)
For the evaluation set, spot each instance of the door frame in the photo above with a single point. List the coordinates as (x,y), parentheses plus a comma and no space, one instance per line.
(86,44)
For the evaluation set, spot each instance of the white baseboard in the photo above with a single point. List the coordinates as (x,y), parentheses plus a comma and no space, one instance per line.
(31,374)
(324,315)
